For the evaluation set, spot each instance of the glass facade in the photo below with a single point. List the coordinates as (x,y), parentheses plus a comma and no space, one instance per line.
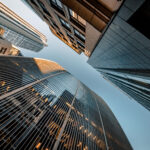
(136,87)
(64,23)
(19,32)
(57,3)
(45,107)
(79,35)
(123,53)
(20,40)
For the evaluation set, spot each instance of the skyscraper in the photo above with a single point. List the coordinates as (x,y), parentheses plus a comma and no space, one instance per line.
(80,24)
(19,32)
(42,106)
(134,84)
(123,53)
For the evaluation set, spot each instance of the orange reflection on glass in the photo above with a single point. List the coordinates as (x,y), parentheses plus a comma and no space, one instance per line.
(93,124)
(89,134)
(2,83)
(37,94)
(86,119)
(24,70)
(81,127)
(46,66)
(85,148)
(79,144)
(54,107)
(8,87)
(38,145)
(16,64)
(85,131)
(46,99)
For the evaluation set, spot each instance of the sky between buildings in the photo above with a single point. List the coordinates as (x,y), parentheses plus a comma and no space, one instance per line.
(133,118)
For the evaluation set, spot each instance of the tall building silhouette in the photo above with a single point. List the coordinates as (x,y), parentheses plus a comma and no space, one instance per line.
(79,24)
(42,106)
(19,32)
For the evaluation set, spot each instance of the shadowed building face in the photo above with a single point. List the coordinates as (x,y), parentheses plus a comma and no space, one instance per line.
(47,108)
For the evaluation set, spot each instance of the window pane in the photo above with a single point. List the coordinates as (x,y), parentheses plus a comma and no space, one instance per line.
(67,25)
(80,35)
(59,3)
(76,32)
(81,44)
(70,35)
(71,12)
(64,23)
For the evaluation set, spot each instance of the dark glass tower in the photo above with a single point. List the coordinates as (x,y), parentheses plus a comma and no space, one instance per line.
(123,53)
(134,83)
(42,106)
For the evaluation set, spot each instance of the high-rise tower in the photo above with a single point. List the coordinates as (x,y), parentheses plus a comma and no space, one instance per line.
(42,106)
(123,53)
(19,32)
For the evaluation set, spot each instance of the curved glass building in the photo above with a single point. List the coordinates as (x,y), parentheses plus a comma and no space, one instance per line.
(42,106)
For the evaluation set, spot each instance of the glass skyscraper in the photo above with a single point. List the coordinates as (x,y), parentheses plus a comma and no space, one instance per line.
(19,32)
(123,53)
(42,106)
(134,84)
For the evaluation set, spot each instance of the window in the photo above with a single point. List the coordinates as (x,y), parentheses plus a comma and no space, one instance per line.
(70,35)
(3,50)
(77,17)
(57,3)
(74,45)
(81,48)
(54,24)
(71,40)
(45,18)
(33,2)
(81,44)
(58,34)
(61,34)
(64,23)
(53,27)
(141,19)
(79,35)
(65,39)
(43,8)
(1,38)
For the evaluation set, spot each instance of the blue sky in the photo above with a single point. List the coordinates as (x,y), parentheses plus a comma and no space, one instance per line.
(133,118)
